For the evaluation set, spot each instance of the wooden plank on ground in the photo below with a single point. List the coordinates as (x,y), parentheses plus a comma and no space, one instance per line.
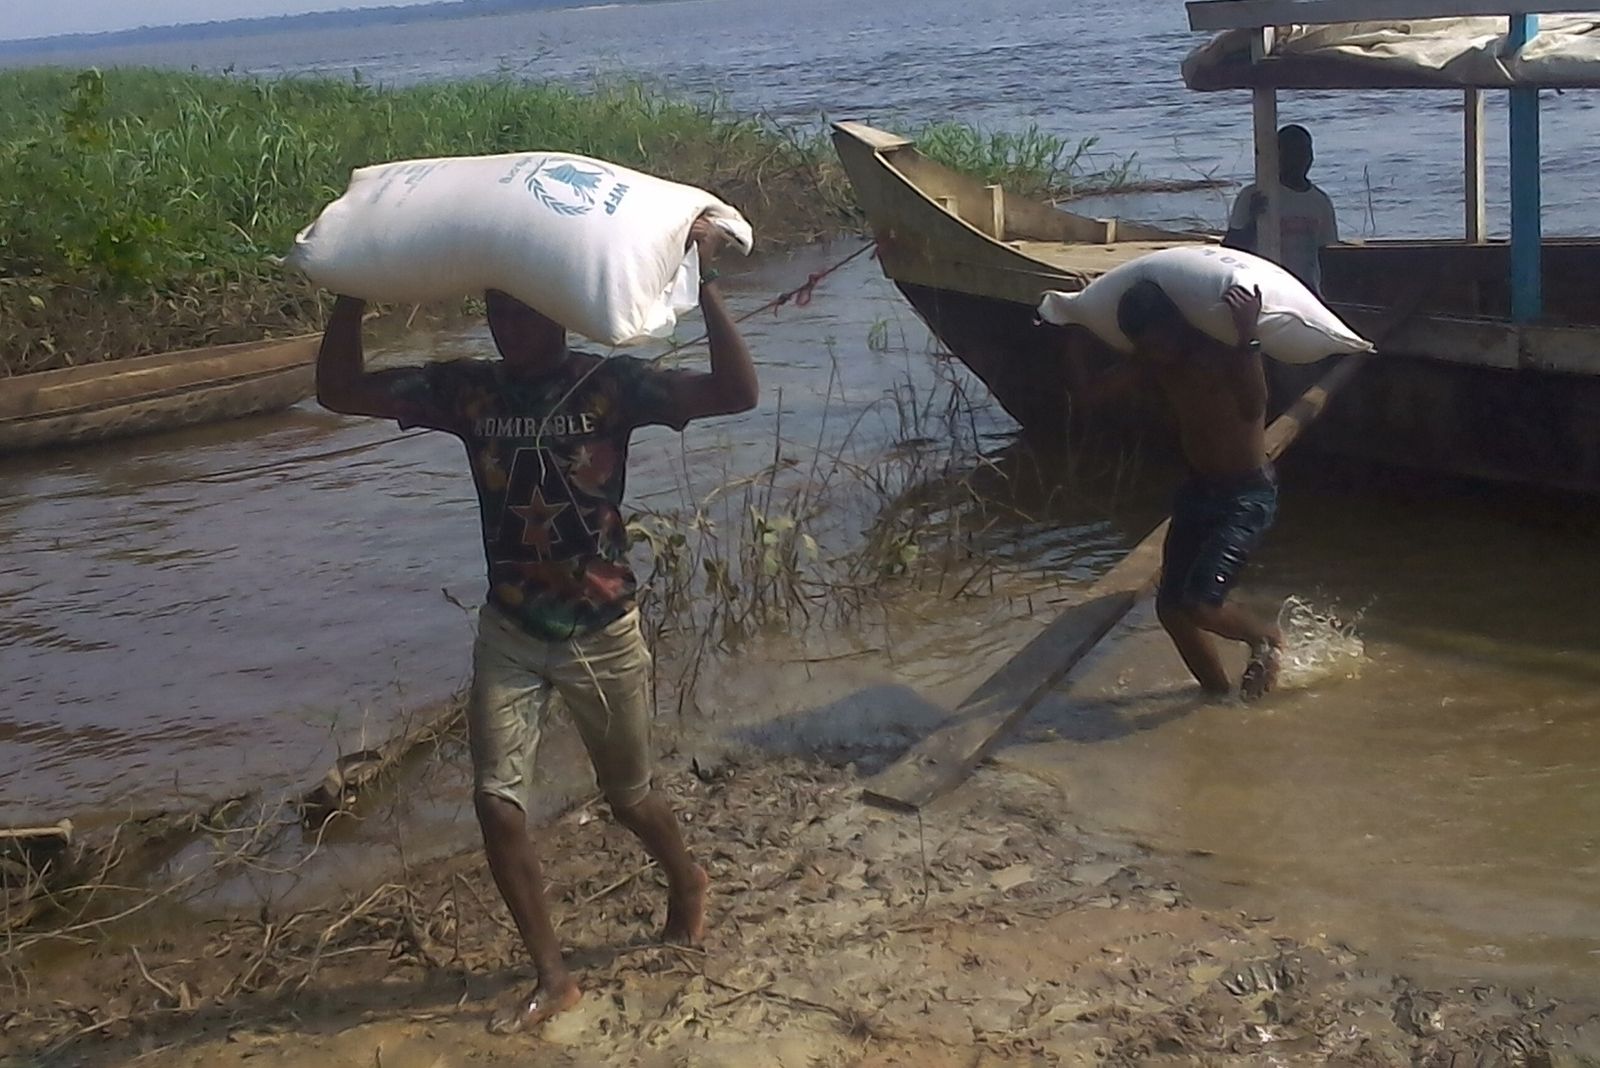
(942,760)
(60,831)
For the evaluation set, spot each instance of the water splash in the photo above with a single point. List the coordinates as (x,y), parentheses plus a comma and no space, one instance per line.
(1319,644)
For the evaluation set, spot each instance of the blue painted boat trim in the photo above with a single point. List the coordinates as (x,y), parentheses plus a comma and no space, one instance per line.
(1527,298)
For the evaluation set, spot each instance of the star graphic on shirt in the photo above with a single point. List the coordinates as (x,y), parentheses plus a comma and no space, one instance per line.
(538,520)
(591,466)
(494,473)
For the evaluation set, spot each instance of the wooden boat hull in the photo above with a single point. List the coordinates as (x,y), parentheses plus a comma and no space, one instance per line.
(1456,391)
(146,394)
(1465,420)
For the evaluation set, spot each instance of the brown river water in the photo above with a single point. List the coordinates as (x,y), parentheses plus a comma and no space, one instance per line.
(188,614)
(185,615)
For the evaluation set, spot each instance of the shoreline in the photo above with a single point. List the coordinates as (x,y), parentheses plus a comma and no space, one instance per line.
(158,230)
(993,929)
(1004,926)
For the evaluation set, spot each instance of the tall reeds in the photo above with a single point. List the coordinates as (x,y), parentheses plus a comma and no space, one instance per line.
(140,210)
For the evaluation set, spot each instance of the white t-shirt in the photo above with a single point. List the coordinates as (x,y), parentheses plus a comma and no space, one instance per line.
(1306,225)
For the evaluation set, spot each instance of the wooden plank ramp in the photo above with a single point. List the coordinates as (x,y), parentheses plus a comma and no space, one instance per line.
(942,761)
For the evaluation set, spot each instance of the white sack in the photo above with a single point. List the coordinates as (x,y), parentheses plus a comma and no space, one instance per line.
(596,247)
(1295,326)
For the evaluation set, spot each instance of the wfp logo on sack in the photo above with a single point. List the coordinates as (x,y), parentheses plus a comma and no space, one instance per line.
(572,187)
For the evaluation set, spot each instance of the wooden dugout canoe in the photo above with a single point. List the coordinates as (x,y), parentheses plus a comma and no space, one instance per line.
(146,394)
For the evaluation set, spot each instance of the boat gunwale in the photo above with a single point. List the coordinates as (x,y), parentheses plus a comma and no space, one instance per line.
(109,404)
(1026,263)
(57,376)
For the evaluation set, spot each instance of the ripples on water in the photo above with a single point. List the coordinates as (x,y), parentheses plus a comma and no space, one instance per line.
(177,614)
(1098,69)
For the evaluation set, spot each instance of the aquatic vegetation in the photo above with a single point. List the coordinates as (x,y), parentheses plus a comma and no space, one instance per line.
(143,210)
(1031,162)
(878,336)
(899,497)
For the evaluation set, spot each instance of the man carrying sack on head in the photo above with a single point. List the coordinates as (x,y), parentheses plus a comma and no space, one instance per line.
(547,430)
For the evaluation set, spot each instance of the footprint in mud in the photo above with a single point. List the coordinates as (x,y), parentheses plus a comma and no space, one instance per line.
(1263,977)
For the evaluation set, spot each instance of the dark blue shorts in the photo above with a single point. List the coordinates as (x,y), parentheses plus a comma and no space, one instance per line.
(1216,525)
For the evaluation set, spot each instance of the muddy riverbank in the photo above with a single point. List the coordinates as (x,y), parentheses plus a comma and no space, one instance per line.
(994,930)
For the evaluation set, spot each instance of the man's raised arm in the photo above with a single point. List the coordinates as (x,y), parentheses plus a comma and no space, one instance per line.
(730,385)
(343,382)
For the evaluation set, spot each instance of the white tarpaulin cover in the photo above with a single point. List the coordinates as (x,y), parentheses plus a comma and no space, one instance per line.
(1423,54)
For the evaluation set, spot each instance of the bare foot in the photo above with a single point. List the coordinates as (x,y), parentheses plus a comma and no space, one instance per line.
(686,913)
(1261,673)
(534,1008)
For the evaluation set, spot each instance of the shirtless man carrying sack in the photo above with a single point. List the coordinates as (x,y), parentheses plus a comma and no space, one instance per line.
(1218,393)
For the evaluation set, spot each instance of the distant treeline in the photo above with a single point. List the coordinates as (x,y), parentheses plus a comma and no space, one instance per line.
(321,20)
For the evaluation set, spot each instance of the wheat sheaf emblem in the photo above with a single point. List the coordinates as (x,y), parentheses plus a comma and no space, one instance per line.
(583,182)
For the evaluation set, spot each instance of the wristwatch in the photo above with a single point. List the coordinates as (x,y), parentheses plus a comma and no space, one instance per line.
(709,275)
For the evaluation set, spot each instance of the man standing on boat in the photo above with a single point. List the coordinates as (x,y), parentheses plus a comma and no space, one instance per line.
(1218,393)
(547,432)
(1306,218)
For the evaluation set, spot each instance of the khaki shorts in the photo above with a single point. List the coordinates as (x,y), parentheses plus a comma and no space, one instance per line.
(602,678)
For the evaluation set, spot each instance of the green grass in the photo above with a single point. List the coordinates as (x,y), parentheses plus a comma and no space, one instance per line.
(1031,163)
(141,210)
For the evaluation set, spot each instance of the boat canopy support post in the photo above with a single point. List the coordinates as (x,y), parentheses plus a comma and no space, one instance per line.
(1265,134)
(1526,239)
(1472,136)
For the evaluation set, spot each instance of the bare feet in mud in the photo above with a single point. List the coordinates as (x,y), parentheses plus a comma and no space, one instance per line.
(534,1008)
(686,913)
(1261,673)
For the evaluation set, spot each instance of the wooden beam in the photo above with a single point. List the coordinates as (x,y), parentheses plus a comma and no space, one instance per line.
(942,760)
(1213,15)
(1471,342)
(995,216)
(1269,227)
(1472,164)
(59,832)
(880,140)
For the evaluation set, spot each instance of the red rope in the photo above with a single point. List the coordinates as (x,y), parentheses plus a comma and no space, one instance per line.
(801,296)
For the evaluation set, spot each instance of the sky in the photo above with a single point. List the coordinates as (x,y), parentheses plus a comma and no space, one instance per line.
(31,18)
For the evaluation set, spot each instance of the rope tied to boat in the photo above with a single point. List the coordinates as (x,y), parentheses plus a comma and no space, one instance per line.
(800,296)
